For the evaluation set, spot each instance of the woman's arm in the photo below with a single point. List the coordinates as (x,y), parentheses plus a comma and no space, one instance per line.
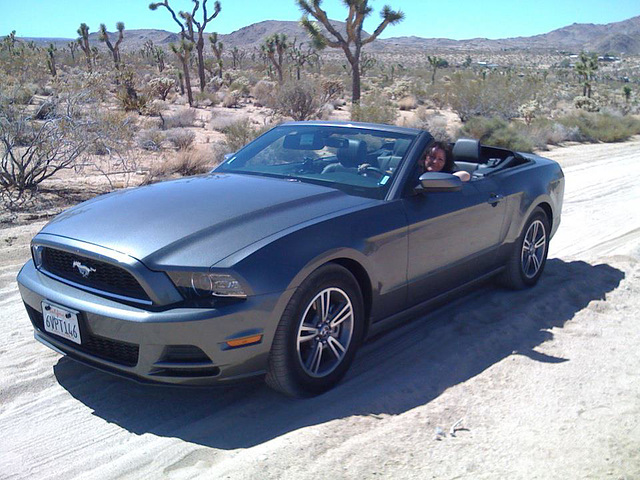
(464,176)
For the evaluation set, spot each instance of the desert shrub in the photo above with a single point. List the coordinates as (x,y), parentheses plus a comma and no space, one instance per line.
(185,163)
(231,99)
(543,132)
(528,111)
(45,111)
(408,103)
(602,127)
(22,94)
(264,93)
(512,138)
(191,162)
(401,88)
(298,100)
(95,83)
(493,96)
(181,138)
(496,132)
(434,123)
(241,85)
(218,151)
(151,139)
(375,109)
(161,86)
(331,90)
(33,151)
(182,118)
(206,99)
(585,103)
(215,84)
(482,128)
(155,108)
(238,134)
(127,95)
(111,132)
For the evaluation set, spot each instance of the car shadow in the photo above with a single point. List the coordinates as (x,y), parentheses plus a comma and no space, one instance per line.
(393,373)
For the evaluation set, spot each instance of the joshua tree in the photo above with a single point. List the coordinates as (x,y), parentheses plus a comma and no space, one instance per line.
(358,10)
(301,55)
(9,42)
(274,48)
(158,56)
(73,48)
(436,63)
(83,41)
(95,53)
(115,49)
(187,31)
(217,47)
(586,68)
(367,62)
(183,52)
(147,49)
(237,56)
(51,59)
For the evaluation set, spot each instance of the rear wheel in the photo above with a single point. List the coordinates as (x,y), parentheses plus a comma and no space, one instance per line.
(318,335)
(529,255)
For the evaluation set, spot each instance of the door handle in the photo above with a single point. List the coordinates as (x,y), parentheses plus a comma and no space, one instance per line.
(495,198)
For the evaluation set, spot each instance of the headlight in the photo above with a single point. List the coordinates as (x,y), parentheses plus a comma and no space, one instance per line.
(196,285)
(36,252)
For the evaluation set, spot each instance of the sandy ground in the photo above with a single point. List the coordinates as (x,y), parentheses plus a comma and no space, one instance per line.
(543,383)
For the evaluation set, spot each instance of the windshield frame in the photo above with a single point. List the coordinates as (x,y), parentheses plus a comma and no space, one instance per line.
(345,181)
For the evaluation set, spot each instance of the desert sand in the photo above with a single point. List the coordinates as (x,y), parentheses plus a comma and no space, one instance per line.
(536,384)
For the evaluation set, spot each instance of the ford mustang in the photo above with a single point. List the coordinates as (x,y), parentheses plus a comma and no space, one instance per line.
(286,257)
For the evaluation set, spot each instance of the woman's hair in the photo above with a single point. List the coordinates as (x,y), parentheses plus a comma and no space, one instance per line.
(449,166)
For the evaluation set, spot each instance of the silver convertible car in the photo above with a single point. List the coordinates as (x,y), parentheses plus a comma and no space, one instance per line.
(287,256)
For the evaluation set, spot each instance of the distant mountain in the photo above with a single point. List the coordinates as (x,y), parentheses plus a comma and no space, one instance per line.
(615,37)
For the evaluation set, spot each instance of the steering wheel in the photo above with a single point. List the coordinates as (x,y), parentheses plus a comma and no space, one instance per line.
(372,170)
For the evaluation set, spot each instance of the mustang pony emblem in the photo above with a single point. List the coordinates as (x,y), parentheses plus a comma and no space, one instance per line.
(83,269)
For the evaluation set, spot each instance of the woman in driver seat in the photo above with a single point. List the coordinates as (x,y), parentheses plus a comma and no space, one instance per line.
(439,158)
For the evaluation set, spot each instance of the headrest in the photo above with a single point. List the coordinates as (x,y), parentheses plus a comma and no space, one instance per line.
(466,150)
(400,146)
(353,154)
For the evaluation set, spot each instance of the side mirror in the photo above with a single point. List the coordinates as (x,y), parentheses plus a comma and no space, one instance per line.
(439,182)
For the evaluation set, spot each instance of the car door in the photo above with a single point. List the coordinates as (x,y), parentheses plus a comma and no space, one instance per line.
(453,237)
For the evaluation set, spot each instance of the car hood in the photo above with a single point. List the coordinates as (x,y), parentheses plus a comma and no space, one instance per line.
(197,221)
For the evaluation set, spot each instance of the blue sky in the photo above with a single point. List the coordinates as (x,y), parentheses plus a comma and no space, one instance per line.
(450,19)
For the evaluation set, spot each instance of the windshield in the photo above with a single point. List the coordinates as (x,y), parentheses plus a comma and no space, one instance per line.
(357,161)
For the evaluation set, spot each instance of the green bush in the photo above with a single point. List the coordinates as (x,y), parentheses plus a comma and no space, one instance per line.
(238,134)
(182,118)
(181,138)
(498,133)
(375,109)
(602,127)
(298,100)
(492,95)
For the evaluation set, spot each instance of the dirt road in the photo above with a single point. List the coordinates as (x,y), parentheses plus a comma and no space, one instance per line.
(543,383)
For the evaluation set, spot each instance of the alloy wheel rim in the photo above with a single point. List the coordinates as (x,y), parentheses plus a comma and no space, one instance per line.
(533,249)
(325,332)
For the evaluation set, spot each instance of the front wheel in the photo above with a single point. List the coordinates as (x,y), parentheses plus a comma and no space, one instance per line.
(529,256)
(318,335)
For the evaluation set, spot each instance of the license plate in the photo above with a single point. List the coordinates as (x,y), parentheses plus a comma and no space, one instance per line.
(61,322)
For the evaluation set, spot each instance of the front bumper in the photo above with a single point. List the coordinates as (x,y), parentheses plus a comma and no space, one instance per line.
(146,345)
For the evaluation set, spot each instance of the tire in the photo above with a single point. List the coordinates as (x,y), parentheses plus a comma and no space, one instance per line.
(318,334)
(529,256)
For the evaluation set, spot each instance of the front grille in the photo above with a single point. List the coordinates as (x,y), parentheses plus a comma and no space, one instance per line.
(112,350)
(102,276)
